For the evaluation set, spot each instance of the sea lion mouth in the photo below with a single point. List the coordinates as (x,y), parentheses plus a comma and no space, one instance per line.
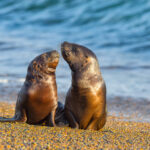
(51,69)
(53,63)
(53,57)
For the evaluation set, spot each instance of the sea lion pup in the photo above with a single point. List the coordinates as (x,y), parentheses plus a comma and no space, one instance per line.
(37,99)
(85,104)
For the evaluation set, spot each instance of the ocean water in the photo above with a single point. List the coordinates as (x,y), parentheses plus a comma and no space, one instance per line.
(118,32)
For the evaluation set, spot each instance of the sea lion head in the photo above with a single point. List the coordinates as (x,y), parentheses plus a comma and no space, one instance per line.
(45,63)
(78,57)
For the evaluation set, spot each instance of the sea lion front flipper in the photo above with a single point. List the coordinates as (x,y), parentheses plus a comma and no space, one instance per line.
(51,118)
(71,119)
(97,122)
(92,125)
(102,121)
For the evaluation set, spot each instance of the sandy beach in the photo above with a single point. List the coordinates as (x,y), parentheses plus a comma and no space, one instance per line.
(117,134)
(118,32)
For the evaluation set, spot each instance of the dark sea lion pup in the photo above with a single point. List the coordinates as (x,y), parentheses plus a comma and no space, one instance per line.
(85,105)
(37,99)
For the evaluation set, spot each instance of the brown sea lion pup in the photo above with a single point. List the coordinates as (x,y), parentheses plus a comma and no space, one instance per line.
(85,104)
(37,99)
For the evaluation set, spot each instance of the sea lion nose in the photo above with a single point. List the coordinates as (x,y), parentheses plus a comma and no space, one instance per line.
(65,42)
(65,45)
(54,54)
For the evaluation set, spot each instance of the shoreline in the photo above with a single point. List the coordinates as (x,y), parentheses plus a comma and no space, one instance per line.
(132,109)
(115,134)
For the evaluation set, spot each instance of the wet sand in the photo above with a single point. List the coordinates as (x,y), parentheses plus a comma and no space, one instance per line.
(117,134)
(132,109)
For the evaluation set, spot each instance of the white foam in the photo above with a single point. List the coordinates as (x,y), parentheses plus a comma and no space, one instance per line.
(21,79)
(3,80)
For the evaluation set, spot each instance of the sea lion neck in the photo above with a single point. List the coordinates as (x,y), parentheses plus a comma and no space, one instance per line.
(84,80)
(33,76)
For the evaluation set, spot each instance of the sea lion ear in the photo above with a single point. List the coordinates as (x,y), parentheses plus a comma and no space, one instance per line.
(86,56)
(43,56)
(74,48)
(34,64)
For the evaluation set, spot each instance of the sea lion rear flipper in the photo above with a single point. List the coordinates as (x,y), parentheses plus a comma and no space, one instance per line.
(19,117)
(71,119)
(20,113)
(60,118)
(3,119)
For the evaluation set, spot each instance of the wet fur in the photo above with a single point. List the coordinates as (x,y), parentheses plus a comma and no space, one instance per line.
(85,104)
(37,99)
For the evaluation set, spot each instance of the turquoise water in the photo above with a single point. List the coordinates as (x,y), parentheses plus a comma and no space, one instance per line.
(118,31)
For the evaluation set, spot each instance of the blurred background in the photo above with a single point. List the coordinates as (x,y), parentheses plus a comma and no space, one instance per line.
(118,31)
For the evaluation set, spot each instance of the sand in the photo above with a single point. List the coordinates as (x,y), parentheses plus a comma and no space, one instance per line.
(117,134)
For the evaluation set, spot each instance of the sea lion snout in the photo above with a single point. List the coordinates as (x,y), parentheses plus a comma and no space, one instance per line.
(54,54)
(53,59)
(47,57)
(65,46)
(66,50)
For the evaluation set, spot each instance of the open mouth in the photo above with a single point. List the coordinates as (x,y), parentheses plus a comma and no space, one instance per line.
(53,64)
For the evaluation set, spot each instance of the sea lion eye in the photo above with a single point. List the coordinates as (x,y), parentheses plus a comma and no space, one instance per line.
(74,49)
(68,53)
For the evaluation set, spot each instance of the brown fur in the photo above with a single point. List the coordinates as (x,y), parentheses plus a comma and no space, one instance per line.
(37,99)
(85,105)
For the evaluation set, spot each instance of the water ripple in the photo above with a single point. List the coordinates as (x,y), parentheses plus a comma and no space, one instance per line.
(117,31)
